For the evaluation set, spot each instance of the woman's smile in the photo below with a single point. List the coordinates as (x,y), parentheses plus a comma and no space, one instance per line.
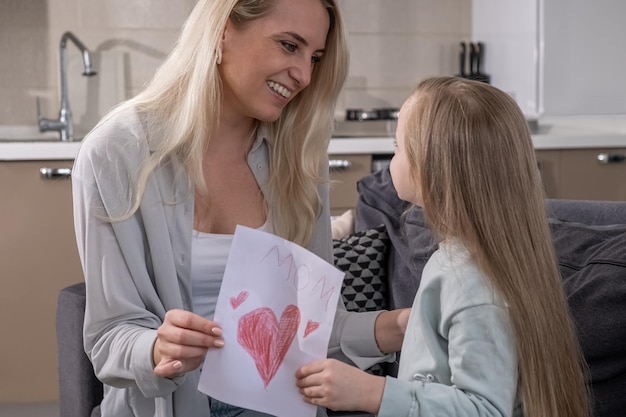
(279,89)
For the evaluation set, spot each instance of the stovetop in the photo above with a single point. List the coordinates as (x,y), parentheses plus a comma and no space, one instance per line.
(365,128)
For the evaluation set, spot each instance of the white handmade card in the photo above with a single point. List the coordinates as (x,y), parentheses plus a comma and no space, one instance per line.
(276,306)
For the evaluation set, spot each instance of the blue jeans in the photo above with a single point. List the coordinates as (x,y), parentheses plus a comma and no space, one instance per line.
(220,409)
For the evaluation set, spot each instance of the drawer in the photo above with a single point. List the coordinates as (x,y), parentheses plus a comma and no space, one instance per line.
(345,171)
(584,174)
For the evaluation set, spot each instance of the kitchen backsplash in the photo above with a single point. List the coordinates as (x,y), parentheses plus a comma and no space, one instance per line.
(393,44)
(396,43)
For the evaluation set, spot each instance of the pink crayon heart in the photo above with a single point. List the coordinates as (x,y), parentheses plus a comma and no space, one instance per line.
(311,326)
(236,301)
(266,339)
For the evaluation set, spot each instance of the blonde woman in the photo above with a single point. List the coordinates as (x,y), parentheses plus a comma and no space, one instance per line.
(233,129)
(490,332)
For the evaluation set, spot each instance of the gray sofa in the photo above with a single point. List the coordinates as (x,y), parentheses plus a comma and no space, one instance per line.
(391,247)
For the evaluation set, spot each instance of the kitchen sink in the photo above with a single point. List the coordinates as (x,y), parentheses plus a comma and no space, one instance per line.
(28,140)
(25,133)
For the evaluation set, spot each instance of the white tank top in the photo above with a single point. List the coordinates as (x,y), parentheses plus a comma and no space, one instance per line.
(209,253)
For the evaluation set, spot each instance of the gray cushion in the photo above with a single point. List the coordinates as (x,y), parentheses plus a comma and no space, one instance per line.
(588,211)
(592,260)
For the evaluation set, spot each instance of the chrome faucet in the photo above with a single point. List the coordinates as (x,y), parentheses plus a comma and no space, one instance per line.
(63,124)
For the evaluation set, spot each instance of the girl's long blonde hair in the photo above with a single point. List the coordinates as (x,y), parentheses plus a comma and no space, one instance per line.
(472,157)
(183,101)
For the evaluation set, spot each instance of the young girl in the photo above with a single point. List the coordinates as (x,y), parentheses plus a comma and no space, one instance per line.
(489,333)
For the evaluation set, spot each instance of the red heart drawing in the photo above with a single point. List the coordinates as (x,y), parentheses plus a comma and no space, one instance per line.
(266,339)
(311,326)
(236,301)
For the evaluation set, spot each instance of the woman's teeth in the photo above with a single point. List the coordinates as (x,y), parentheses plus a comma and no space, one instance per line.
(279,89)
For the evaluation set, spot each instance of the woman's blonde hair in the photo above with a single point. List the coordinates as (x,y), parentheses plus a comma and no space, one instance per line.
(184,100)
(472,157)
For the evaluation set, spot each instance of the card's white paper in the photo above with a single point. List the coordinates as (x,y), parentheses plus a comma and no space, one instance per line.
(276,307)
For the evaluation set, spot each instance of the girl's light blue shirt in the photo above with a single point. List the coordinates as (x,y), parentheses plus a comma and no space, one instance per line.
(459,355)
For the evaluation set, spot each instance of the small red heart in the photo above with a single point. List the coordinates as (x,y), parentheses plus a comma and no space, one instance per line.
(236,301)
(311,326)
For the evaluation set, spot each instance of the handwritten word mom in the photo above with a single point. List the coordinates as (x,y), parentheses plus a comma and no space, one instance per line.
(300,276)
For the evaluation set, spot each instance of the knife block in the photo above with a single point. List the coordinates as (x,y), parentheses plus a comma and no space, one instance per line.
(476,51)
(484,78)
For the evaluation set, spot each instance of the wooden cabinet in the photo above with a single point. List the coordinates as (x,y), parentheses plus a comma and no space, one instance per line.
(345,171)
(577,173)
(566,173)
(38,257)
(549,162)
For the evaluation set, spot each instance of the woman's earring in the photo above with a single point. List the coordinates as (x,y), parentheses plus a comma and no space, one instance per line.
(218,56)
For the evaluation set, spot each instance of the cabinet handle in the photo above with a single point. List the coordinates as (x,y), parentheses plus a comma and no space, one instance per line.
(608,158)
(339,164)
(55,172)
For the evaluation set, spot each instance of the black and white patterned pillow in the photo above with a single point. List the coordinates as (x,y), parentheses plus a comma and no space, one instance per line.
(362,256)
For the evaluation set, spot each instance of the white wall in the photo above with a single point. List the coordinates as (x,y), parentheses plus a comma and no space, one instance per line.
(584,63)
(510,32)
(394,44)
(556,57)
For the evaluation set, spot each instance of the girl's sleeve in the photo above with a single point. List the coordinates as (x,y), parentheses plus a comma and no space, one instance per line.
(483,372)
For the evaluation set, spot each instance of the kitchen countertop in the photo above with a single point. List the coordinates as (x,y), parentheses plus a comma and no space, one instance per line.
(555,132)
